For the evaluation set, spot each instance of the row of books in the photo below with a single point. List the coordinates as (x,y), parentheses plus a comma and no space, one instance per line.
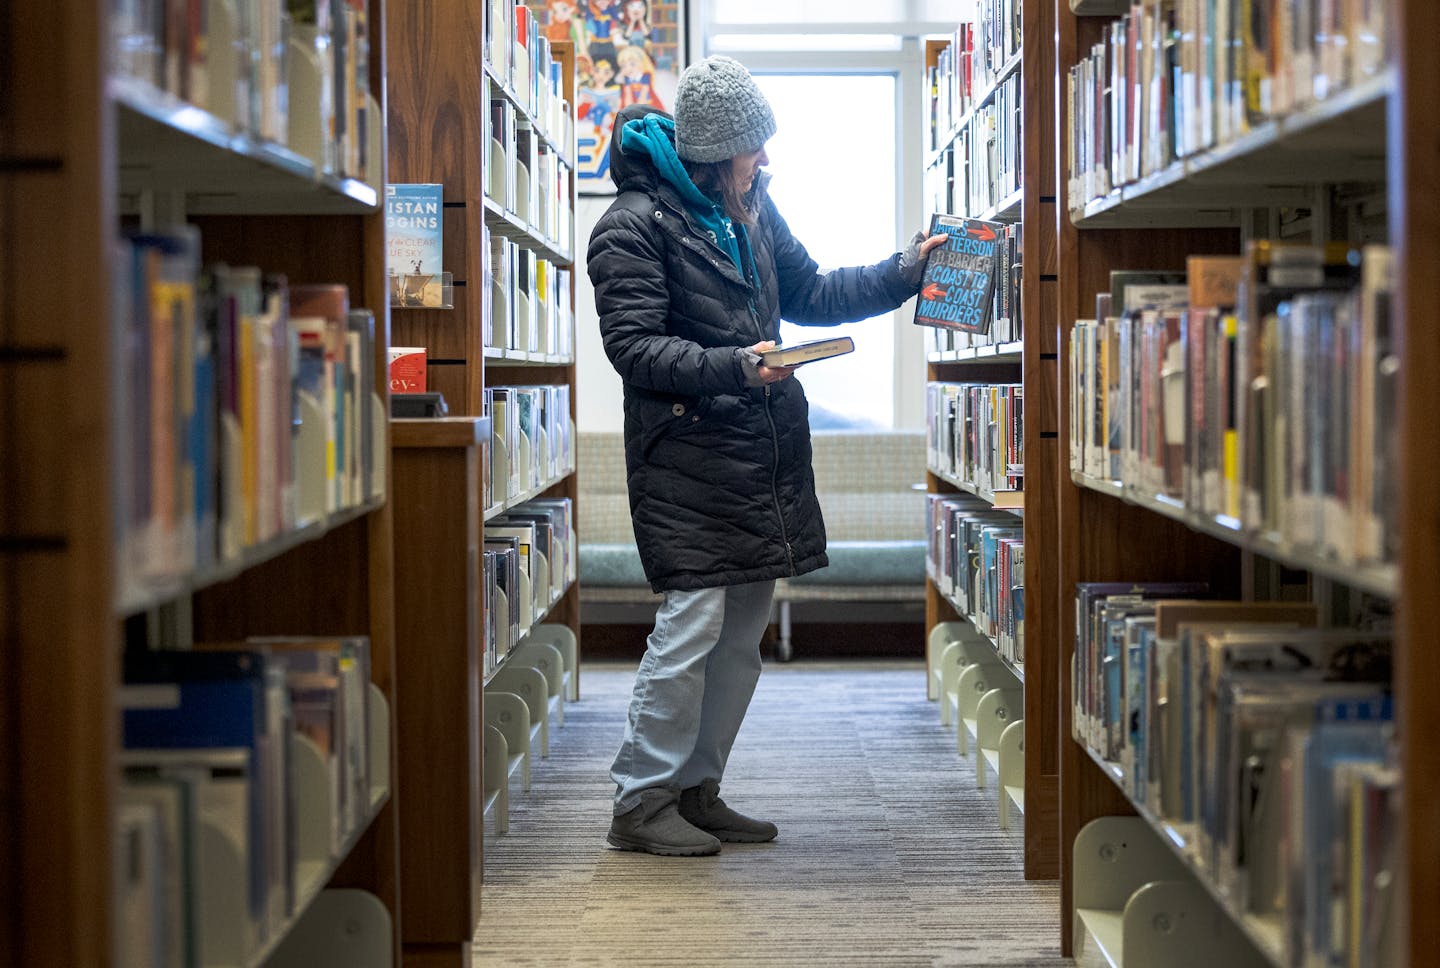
(982,168)
(217,743)
(529,305)
(975,433)
(518,50)
(1174,77)
(244,404)
(531,557)
(1261,388)
(247,63)
(976,557)
(986,38)
(536,434)
(1267,742)
(526,175)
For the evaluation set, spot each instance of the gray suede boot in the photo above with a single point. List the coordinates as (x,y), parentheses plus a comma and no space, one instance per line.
(701,805)
(655,827)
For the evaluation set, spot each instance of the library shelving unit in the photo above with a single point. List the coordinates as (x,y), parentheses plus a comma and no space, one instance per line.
(1031,362)
(443,88)
(1377,134)
(85,152)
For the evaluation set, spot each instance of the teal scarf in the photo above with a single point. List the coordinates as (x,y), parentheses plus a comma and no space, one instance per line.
(654,135)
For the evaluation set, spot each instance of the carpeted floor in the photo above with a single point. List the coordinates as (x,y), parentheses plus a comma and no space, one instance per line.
(888,856)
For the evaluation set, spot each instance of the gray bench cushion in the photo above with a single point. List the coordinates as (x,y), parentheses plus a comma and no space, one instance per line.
(870,563)
(866,487)
(851,563)
(611,565)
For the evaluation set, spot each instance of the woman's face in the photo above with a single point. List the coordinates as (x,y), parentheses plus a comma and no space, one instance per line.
(744,167)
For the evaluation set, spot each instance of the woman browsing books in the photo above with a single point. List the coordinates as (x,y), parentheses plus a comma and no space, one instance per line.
(693,269)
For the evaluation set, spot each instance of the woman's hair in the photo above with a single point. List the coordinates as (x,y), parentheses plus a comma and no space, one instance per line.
(718,178)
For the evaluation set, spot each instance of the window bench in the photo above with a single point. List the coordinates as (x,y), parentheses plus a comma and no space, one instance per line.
(874,518)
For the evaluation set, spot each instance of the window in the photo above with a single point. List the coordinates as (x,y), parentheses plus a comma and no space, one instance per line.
(833,165)
(733,43)
(885,13)
(808,11)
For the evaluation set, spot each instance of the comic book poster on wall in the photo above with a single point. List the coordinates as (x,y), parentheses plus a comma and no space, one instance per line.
(627,52)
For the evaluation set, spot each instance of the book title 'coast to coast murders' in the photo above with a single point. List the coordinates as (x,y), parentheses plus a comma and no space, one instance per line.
(958,288)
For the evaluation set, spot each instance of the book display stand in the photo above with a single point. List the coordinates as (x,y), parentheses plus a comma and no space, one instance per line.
(88,586)
(1136,904)
(493,658)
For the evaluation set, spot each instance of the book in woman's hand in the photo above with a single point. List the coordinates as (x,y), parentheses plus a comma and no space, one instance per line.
(807,352)
(957,290)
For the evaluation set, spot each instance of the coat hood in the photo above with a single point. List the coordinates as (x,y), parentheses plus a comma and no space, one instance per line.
(631,171)
(652,136)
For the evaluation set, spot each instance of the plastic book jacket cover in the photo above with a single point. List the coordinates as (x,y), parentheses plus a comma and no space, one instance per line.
(407,369)
(413,244)
(957,290)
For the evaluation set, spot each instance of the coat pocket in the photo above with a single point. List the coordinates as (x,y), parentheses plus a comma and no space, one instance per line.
(662,420)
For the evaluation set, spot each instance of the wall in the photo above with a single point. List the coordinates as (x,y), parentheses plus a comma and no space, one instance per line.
(597,383)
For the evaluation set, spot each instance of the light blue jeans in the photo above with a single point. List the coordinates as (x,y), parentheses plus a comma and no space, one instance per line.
(692,689)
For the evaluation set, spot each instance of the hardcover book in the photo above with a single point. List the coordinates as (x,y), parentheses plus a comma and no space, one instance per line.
(800,353)
(414,226)
(957,290)
(407,369)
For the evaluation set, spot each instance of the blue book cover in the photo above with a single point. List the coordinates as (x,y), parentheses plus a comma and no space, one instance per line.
(1333,744)
(414,246)
(1112,663)
(213,700)
(957,289)
(1138,632)
(203,430)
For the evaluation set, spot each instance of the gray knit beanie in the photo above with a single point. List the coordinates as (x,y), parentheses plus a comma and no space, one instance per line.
(719,112)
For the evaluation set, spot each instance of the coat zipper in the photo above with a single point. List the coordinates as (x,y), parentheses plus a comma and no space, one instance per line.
(701,236)
(775,461)
(775,483)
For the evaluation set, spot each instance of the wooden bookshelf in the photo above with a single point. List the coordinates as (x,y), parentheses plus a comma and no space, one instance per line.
(442,84)
(1381,132)
(441,719)
(77,146)
(1032,363)
(1414,113)
(509,368)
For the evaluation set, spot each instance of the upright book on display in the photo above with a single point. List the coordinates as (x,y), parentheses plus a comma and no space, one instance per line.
(414,247)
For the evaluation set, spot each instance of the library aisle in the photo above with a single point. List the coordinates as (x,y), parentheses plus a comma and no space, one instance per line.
(888,856)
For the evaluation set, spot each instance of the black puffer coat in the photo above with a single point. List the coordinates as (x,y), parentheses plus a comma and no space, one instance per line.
(721,489)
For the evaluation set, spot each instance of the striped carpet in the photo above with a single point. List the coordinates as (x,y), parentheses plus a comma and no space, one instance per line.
(888,856)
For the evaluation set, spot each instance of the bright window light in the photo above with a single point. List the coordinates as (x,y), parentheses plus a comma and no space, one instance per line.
(939,10)
(720,43)
(806,11)
(833,165)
